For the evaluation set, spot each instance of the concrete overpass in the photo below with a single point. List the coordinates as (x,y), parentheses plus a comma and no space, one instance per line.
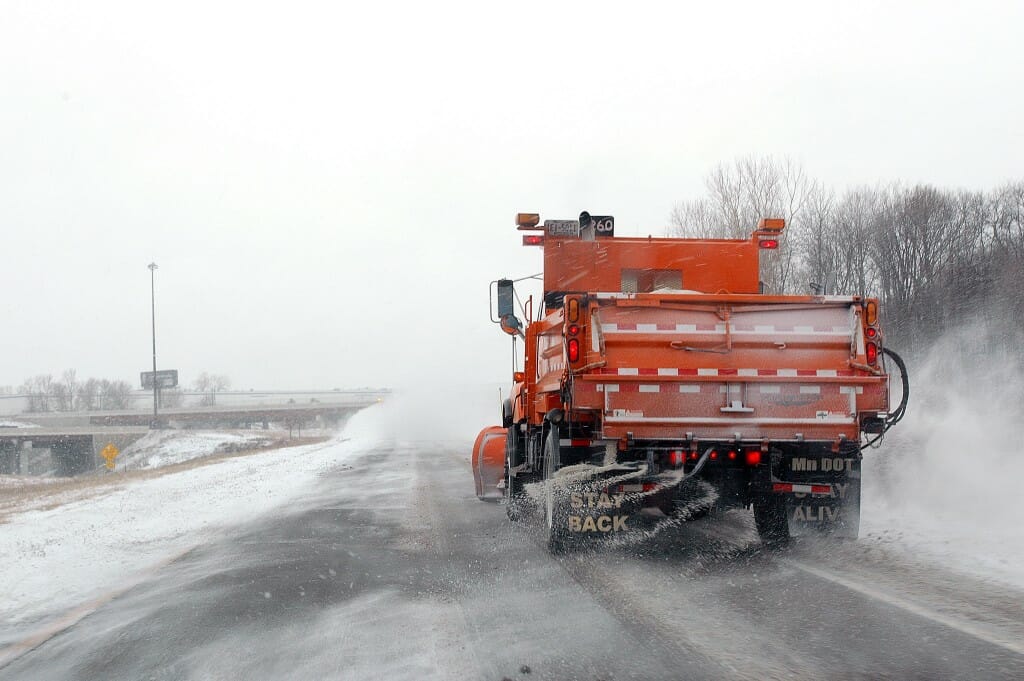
(70,443)
(65,451)
(240,416)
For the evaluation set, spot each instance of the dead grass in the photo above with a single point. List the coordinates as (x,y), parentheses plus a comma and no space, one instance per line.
(33,496)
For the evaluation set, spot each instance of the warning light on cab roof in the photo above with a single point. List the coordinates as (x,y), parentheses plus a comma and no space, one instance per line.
(527,220)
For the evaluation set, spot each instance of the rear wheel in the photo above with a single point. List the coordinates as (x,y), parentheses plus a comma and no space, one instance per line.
(555,518)
(770,518)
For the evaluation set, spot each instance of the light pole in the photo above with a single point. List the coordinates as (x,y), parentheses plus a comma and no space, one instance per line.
(152,301)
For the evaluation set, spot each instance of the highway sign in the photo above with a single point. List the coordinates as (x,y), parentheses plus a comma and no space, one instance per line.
(165,378)
(110,453)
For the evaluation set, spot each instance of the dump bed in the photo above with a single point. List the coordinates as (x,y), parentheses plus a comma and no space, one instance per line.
(738,367)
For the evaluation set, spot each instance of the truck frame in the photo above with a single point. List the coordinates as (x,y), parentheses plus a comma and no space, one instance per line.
(659,380)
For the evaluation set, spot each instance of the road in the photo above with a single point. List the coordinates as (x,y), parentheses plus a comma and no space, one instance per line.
(391,569)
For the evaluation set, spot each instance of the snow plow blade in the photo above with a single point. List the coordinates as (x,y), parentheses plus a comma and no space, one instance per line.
(489,463)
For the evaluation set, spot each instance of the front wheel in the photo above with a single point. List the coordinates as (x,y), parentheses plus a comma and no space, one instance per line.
(517,503)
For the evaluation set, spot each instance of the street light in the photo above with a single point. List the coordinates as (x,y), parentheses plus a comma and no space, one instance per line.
(152,300)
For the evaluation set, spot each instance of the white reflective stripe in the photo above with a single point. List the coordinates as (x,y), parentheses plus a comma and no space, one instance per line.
(723,388)
(668,372)
(827,372)
(844,330)
(851,389)
(631,488)
(629,372)
(806,489)
(646,328)
(832,420)
(768,389)
(689,388)
(803,329)
(609,328)
(686,328)
(611,387)
(758,328)
(810,390)
(645,388)
(746,372)
(787,372)
(565,443)
(707,372)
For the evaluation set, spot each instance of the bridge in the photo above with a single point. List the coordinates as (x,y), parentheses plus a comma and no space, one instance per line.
(69,443)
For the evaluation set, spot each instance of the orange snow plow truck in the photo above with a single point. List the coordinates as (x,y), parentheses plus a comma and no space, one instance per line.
(659,381)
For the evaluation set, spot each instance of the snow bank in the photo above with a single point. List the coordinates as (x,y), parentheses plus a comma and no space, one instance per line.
(55,559)
(16,424)
(165,447)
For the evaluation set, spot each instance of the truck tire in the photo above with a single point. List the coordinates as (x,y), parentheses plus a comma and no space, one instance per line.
(770,518)
(555,519)
(517,504)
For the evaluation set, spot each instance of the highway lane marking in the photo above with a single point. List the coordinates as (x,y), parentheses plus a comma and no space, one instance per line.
(927,613)
(13,651)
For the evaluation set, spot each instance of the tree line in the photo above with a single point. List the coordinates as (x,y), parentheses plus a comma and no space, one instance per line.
(938,259)
(66,393)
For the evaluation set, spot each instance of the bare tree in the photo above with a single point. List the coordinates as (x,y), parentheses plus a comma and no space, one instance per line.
(87,395)
(63,391)
(39,390)
(210,385)
(115,395)
(738,196)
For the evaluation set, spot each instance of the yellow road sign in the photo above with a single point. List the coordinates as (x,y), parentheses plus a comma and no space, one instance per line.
(110,453)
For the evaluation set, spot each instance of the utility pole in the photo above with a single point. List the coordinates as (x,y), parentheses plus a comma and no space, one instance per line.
(152,300)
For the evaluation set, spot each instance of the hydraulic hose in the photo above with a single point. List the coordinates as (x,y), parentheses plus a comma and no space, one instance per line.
(897,414)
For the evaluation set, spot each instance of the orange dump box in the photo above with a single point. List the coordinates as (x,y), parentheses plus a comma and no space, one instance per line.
(735,367)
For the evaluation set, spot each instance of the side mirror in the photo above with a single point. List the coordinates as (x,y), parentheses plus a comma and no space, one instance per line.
(506,298)
(510,324)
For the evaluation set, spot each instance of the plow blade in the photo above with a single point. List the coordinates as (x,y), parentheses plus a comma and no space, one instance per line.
(489,463)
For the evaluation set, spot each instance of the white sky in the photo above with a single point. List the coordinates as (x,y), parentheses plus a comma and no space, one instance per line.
(328,188)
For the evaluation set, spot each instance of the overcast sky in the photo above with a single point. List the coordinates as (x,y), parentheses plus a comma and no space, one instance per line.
(328,188)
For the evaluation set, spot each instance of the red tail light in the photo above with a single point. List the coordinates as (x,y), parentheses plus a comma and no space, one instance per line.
(872,353)
(693,456)
(533,240)
(753,457)
(574,349)
(676,458)
(732,455)
(871,332)
(714,456)
(574,329)
(768,243)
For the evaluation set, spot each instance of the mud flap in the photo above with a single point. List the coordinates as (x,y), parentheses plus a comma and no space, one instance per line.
(836,514)
(591,513)
(489,463)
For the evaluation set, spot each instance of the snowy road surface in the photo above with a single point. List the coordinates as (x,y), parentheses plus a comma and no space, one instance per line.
(386,567)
